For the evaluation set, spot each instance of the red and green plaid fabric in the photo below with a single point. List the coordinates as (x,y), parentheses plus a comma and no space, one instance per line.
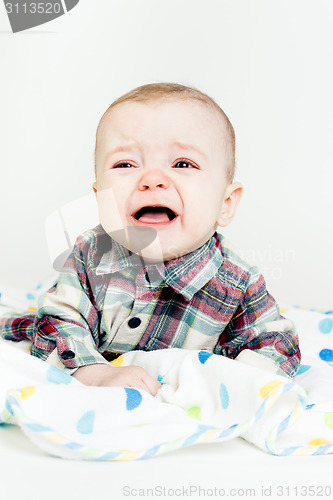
(108,300)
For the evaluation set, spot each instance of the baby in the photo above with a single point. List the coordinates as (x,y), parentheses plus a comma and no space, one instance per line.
(155,273)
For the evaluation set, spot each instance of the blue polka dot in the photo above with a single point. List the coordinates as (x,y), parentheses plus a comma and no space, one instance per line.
(109,456)
(73,446)
(160,378)
(12,401)
(203,356)
(37,427)
(308,407)
(302,400)
(204,428)
(228,431)
(326,355)
(134,398)
(86,423)
(9,409)
(30,296)
(303,369)
(224,396)
(326,325)
(56,376)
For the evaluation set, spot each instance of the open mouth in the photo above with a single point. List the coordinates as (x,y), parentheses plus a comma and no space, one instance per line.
(155,215)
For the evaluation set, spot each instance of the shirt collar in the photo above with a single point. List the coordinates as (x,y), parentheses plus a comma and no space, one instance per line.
(188,274)
(117,258)
(185,275)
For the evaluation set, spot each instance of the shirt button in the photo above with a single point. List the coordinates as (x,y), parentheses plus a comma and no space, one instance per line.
(68,355)
(134,322)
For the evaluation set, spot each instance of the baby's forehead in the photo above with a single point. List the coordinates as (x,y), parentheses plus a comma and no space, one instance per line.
(116,114)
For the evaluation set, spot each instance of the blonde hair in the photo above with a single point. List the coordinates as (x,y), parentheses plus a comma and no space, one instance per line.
(165,90)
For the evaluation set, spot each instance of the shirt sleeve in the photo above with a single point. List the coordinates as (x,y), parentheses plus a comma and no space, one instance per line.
(67,321)
(258,325)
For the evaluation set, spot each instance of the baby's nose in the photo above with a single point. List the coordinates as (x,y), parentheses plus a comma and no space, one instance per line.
(154,179)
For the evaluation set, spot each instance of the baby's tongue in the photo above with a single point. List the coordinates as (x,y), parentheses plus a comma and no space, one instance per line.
(151,216)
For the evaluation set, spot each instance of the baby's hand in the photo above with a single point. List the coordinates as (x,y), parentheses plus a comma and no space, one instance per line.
(104,375)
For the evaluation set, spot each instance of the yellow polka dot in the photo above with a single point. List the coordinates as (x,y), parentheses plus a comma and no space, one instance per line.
(266,389)
(283,310)
(56,438)
(303,452)
(297,412)
(208,436)
(118,361)
(26,392)
(318,442)
(128,455)
(32,308)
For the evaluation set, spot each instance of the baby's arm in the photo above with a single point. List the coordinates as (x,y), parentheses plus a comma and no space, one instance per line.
(67,327)
(108,375)
(258,326)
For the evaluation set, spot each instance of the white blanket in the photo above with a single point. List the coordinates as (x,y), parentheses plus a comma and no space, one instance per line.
(204,398)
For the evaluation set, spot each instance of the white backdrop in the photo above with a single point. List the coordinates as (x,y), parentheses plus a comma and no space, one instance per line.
(268,63)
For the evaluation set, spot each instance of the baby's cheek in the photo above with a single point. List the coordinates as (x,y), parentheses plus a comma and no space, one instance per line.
(109,210)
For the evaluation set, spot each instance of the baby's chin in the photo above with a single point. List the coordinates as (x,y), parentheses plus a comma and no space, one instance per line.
(156,253)
(163,248)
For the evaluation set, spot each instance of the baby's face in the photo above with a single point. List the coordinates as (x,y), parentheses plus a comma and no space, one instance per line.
(162,165)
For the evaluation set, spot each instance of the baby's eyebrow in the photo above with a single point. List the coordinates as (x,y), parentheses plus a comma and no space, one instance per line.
(123,147)
(189,147)
(130,146)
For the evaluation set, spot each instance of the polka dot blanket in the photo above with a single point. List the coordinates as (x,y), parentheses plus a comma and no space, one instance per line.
(203,398)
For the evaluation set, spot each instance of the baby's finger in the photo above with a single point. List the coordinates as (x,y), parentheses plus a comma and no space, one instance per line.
(152,384)
(139,384)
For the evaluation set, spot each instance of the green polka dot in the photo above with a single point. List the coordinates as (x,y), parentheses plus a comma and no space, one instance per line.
(194,412)
(328,419)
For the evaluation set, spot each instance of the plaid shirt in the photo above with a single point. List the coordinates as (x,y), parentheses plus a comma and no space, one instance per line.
(107,300)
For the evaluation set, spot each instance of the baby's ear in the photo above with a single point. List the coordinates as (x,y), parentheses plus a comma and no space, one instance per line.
(232,197)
